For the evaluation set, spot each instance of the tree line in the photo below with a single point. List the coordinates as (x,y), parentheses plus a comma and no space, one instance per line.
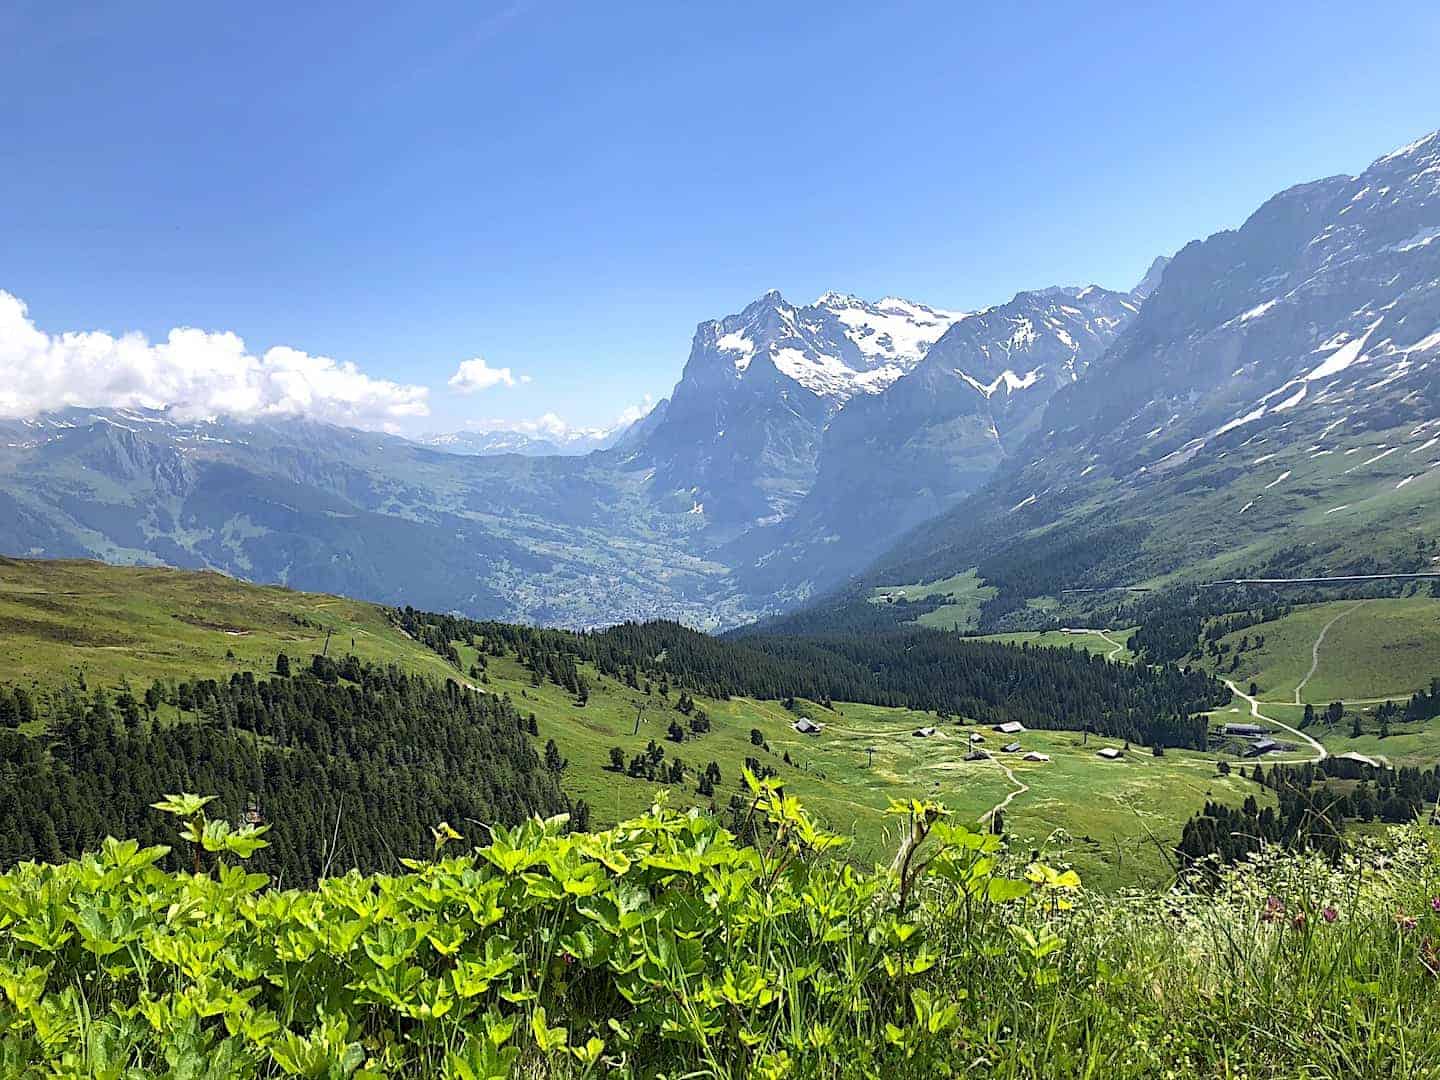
(346,762)
(1314,801)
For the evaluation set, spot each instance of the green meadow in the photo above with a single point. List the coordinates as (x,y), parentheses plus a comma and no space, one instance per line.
(1372,649)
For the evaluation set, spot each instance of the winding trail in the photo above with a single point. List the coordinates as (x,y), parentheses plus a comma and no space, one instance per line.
(1020,788)
(1320,752)
(1119,647)
(1315,650)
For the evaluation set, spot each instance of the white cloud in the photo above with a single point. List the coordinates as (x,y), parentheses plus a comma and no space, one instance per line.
(474,375)
(549,425)
(553,426)
(634,412)
(193,372)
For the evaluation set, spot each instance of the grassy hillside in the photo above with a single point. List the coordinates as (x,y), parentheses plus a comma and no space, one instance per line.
(1111,644)
(108,623)
(63,621)
(951,604)
(1372,649)
(1270,505)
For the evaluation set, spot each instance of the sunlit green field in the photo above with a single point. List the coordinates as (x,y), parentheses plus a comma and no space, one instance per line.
(1373,649)
(108,623)
(1112,644)
(62,622)
(964,593)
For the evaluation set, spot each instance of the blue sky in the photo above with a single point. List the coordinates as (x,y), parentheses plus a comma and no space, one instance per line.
(566,189)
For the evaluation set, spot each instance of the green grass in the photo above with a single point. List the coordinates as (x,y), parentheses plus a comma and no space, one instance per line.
(1091,641)
(108,623)
(59,620)
(1116,820)
(964,593)
(1378,649)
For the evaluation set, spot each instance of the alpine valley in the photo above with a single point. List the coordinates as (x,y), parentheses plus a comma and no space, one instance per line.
(1266,402)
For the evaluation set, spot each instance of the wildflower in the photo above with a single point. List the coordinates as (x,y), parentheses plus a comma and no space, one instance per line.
(1274,908)
(1298,922)
(1435,904)
(1405,922)
(1329,914)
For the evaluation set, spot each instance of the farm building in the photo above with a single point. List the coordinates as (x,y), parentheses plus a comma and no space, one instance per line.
(1011,748)
(1246,731)
(923,733)
(1036,755)
(976,737)
(976,755)
(1012,727)
(1261,746)
(806,726)
(1110,753)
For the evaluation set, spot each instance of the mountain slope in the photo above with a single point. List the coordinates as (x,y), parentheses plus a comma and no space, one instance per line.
(563,540)
(739,439)
(1274,404)
(891,460)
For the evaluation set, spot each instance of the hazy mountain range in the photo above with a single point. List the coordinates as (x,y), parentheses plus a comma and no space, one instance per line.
(1268,394)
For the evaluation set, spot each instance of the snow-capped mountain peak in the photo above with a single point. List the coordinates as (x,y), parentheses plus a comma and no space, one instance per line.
(837,347)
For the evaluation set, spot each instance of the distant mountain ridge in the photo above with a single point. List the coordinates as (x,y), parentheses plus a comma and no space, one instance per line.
(1274,404)
(891,460)
(741,431)
(539,443)
(1268,397)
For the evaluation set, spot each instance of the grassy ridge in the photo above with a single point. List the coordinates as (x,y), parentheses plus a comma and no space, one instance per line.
(59,618)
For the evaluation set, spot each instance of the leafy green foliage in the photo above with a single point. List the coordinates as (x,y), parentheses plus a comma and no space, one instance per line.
(666,947)
(660,943)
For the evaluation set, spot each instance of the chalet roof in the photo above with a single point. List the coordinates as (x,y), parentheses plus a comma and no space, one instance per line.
(806,726)
(1011,748)
(1035,755)
(923,733)
(1011,727)
(1109,753)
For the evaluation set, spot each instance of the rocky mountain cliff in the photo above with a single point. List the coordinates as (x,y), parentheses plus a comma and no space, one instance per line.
(739,438)
(890,460)
(1275,405)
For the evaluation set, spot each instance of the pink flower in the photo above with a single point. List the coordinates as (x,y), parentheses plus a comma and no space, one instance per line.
(1273,909)
(1405,922)
(1330,914)
(1435,903)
